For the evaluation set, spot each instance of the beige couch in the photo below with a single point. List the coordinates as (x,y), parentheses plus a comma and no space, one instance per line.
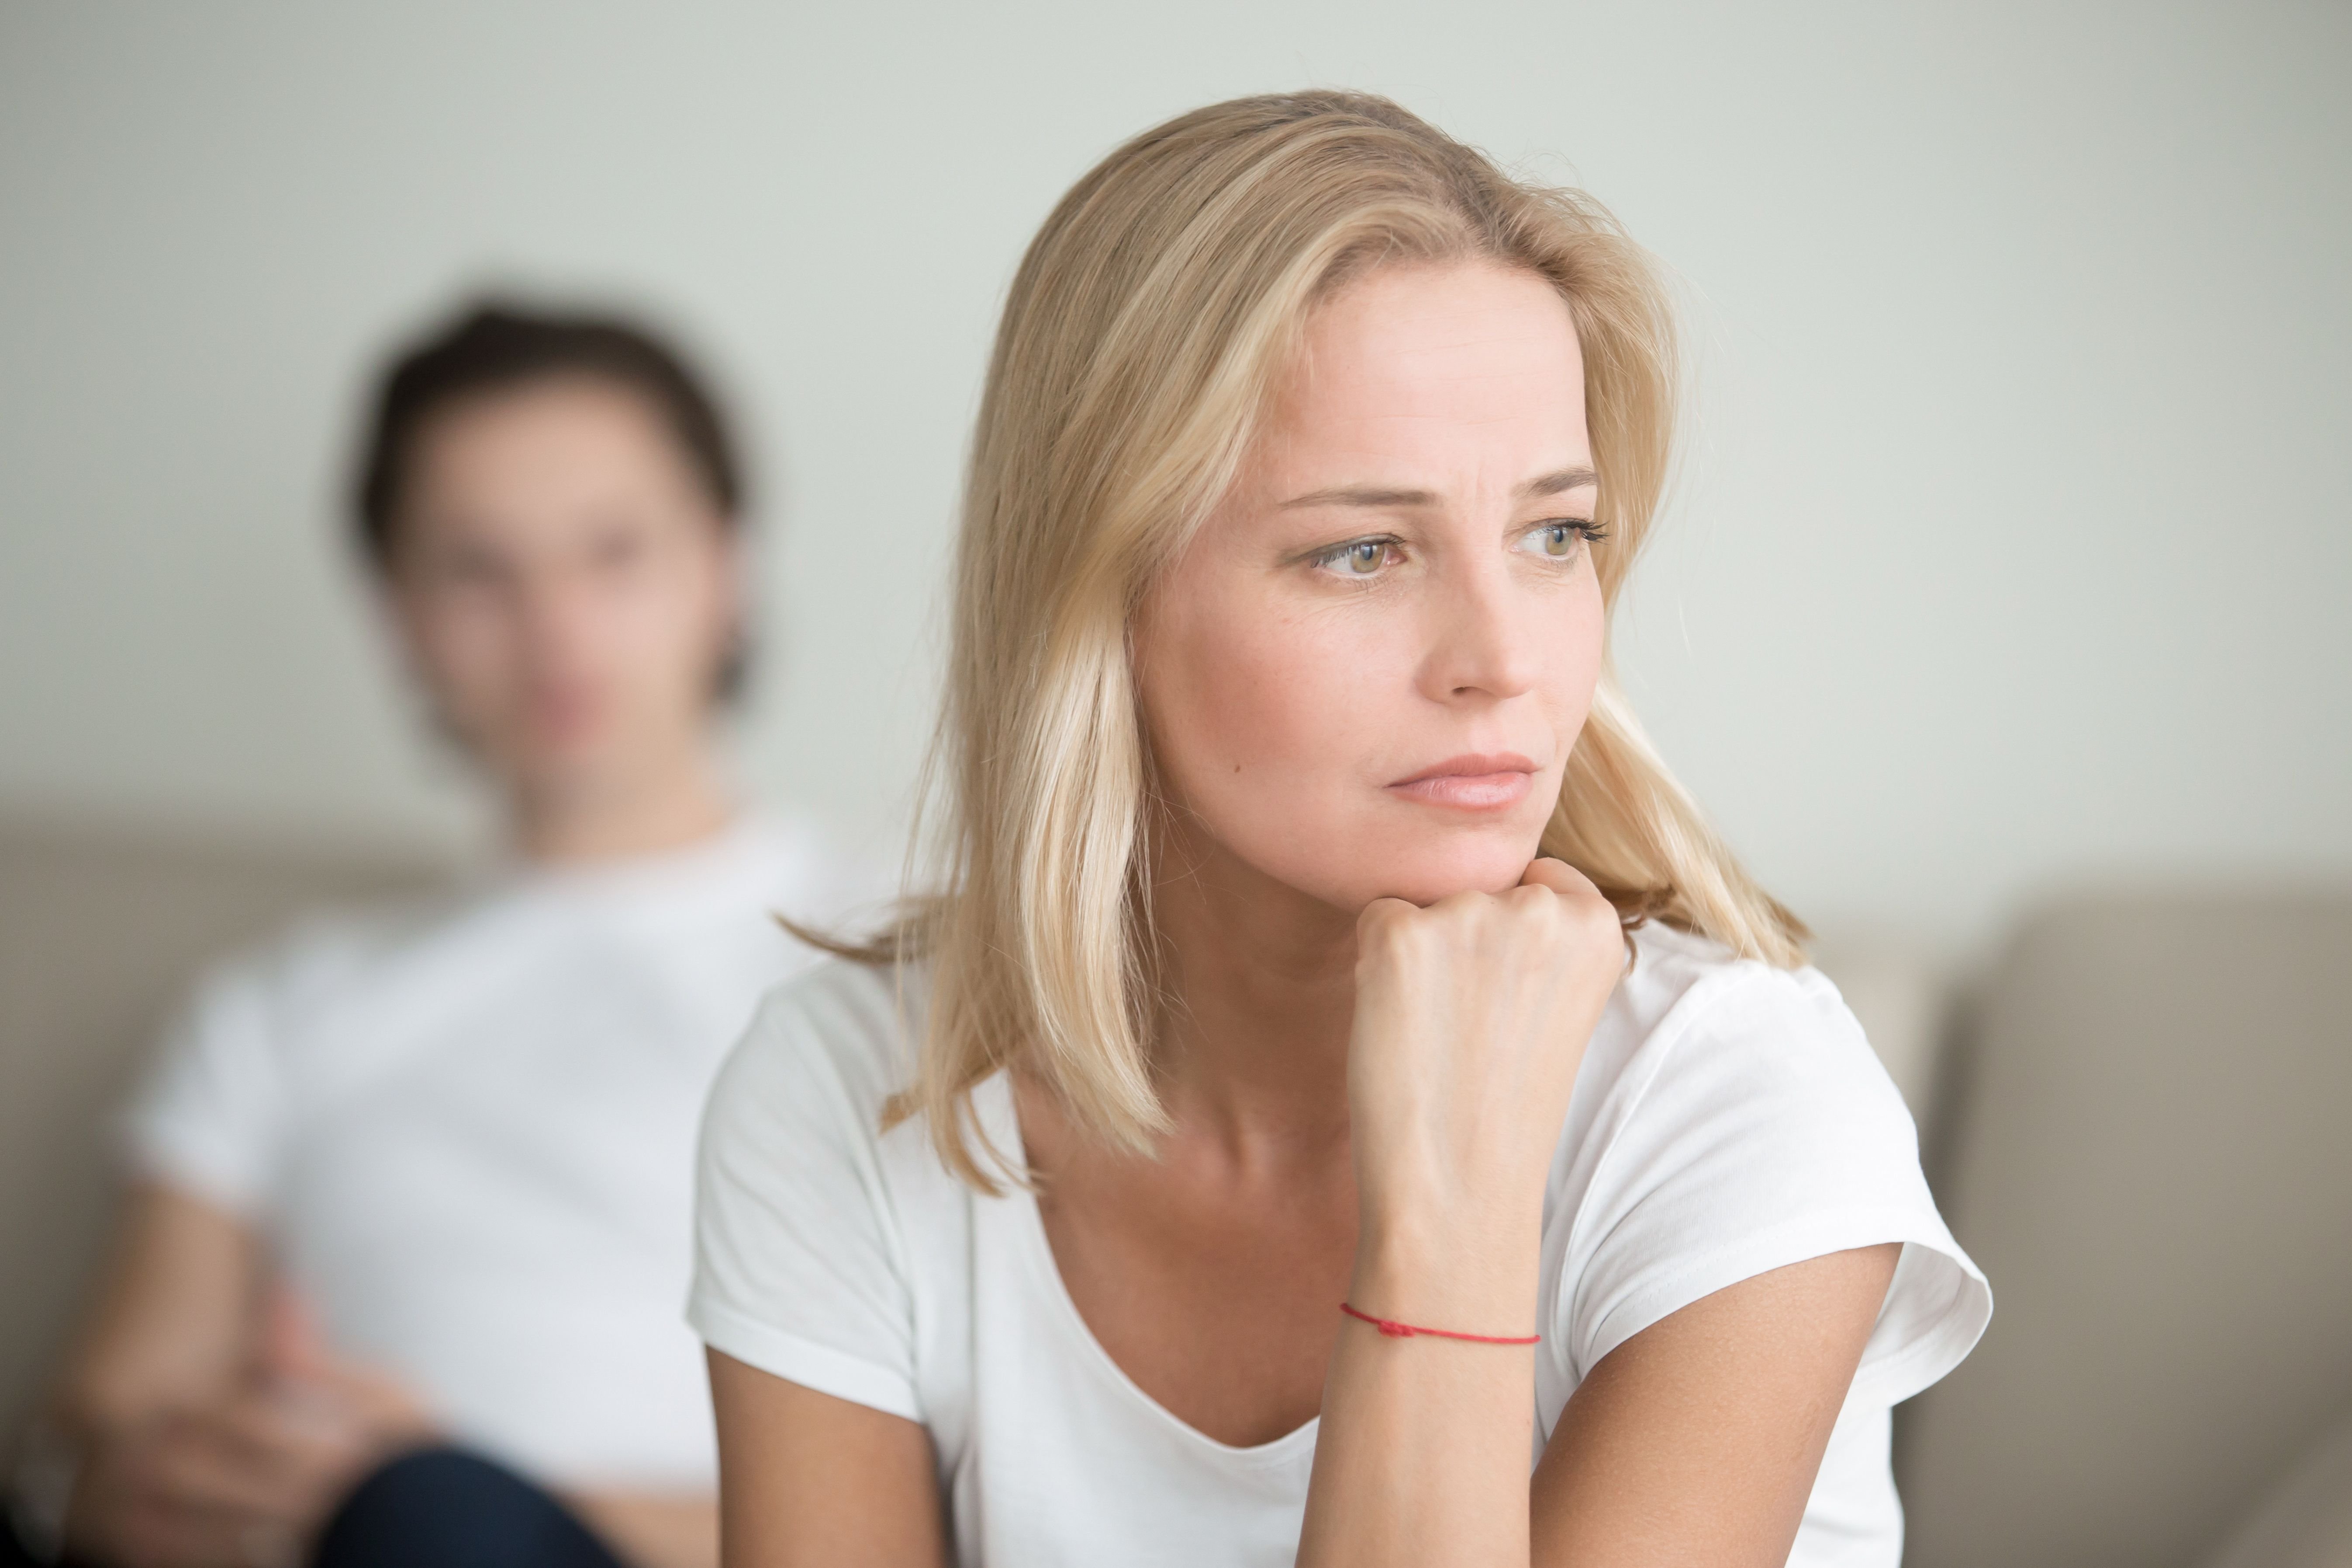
(2146,1141)
(100,931)
(2140,1135)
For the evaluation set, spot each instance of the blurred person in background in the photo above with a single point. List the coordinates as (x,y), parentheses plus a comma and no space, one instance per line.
(400,1273)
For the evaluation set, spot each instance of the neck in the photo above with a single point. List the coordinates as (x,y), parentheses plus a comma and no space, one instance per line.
(1253,1046)
(659,809)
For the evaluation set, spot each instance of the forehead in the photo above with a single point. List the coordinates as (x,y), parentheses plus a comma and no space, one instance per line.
(547,463)
(541,458)
(539,427)
(1468,362)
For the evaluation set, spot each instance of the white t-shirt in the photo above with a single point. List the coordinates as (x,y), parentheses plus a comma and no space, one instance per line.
(466,1126)
(1728,1119)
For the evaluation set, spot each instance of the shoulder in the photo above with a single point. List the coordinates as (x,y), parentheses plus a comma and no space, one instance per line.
(321,955)
(1713,1073)
(824,1054)
(1678,976)
(1731,1118)
(846,1020)
(1691,1018)
(215,1103)
(805,870)
(817,1232)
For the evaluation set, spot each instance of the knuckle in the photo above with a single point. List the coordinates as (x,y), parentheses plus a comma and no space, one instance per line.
(1387,930)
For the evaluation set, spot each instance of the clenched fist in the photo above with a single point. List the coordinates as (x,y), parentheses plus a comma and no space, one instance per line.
(1471,1019)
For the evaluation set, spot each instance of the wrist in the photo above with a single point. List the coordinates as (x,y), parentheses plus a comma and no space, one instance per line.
(1431,1220)
(1477,1275)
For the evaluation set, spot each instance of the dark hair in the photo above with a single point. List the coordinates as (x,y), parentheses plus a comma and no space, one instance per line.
(496,346)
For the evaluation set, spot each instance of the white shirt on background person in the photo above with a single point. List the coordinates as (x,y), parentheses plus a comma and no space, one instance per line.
(465,1124)
(1728,1119)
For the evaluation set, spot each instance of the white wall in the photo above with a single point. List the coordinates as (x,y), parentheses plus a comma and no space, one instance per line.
(2016,544)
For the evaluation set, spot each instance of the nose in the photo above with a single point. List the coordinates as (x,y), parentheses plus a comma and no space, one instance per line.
(1483,642)
(555,614)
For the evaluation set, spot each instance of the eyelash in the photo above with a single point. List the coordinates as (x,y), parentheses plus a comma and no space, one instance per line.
(1592,533)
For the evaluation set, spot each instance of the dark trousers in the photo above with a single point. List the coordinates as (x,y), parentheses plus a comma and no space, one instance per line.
(439,1508)
(444,1508)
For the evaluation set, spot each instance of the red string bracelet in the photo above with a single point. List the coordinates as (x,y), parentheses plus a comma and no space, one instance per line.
(1397,1330)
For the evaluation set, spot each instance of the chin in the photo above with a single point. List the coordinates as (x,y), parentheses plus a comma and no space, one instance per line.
(1435,872)
(565,769)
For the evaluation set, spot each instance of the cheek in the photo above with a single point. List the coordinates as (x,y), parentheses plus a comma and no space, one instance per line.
(1240,703)
(464,642)
(1267,722)
(1277,726)
(665,623)
(1575,657)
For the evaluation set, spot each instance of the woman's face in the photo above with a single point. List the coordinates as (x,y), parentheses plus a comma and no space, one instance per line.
(1363,676)
(565,589)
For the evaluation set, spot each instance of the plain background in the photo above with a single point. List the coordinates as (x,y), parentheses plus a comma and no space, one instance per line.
(2012,543)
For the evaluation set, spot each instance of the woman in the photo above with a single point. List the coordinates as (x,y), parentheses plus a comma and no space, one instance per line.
(420,1176)
(1344,1067)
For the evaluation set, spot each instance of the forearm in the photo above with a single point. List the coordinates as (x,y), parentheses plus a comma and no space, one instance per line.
(1470,1023)
(1424,1452)
(173,1325)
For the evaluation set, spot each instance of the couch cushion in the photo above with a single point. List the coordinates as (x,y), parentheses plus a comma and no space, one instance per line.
(100,931)
(2305,1520)
(2150,1158)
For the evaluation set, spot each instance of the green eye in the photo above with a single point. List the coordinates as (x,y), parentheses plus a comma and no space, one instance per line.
(1357,558)
(1560,539)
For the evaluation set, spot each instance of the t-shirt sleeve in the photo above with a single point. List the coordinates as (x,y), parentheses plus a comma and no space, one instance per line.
(210,1118)
(799,1265)
(1756,1129)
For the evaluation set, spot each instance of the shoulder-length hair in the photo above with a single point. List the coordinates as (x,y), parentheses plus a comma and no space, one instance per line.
(1145,325)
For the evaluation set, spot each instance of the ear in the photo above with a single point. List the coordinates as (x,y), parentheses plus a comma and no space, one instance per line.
(735,563)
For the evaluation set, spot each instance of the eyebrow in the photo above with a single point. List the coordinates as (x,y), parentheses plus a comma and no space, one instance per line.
(1551,484)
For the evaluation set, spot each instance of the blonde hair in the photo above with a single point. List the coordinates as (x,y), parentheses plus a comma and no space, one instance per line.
(1148,321)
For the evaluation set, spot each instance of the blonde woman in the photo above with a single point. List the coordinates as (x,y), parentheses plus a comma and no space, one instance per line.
(1346,1106)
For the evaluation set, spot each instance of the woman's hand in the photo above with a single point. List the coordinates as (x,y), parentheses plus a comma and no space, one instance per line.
(1471,1019)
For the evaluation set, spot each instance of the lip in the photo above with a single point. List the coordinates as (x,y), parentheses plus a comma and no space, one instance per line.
(1476,781)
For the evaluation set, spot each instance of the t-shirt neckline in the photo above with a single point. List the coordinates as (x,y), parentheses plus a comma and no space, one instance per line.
(688,870)
(1046,1274)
